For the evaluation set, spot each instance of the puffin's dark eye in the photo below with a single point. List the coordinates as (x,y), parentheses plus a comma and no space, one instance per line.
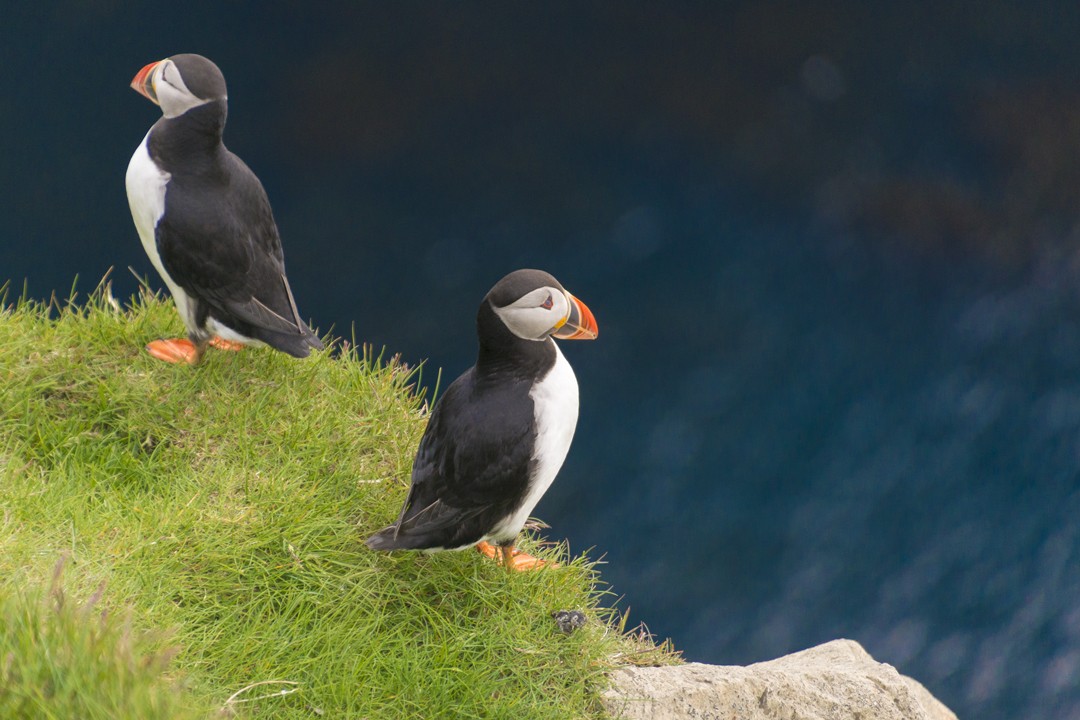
(548,303)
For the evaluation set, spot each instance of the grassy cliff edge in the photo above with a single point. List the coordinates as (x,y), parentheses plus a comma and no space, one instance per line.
(220,512)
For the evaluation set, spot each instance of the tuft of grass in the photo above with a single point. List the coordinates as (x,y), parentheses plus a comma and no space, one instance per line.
(62,659)
(228,503)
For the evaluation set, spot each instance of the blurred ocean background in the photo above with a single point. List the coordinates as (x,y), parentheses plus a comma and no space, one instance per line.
(833,249)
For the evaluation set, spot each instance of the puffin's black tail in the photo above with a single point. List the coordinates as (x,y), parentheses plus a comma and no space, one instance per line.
(385,540)
(299,346)
(392,538)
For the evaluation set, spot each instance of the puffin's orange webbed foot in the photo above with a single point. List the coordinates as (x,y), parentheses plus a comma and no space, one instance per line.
(175,350)
(223,344)
(512,558)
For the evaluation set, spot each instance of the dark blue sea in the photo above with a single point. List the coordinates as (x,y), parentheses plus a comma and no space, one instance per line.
(833,249)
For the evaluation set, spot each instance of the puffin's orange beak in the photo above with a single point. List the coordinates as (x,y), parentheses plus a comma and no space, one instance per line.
(581,325)
(143,82)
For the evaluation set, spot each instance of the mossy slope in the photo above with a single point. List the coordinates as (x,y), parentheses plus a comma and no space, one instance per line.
(228,504)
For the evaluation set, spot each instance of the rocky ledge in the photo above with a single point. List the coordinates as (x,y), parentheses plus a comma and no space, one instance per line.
(836,680)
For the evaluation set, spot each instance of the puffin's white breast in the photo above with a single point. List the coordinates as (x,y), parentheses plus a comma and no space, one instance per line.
(146,184)
(555,412)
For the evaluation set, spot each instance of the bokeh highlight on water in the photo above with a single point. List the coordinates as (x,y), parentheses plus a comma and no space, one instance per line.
(832,250)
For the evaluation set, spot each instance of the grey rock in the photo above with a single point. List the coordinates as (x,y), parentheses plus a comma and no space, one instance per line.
(835,681)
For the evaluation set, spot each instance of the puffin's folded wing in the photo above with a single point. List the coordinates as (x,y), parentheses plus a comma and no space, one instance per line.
(269,306)
(437,516)
(255,312)
(432,526)
(239,276)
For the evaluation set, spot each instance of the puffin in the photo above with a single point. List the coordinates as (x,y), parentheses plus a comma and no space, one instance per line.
(205,221)
(498,435)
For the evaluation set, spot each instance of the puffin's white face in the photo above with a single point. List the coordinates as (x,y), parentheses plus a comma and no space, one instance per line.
(164,84)
(538,314)
(172,94)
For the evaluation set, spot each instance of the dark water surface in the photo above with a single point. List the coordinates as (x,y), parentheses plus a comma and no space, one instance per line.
(832,249)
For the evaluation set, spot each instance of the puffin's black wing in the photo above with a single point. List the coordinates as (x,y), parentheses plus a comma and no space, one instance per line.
(218,240)
(471,469)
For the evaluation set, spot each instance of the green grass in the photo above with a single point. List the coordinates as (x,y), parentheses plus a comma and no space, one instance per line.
(63,660)
(225,506)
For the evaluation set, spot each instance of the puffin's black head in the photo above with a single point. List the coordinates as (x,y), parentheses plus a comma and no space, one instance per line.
(533,305)
(180,82)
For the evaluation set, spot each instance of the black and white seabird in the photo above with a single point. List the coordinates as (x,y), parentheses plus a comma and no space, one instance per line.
(205,221)
(499,434)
